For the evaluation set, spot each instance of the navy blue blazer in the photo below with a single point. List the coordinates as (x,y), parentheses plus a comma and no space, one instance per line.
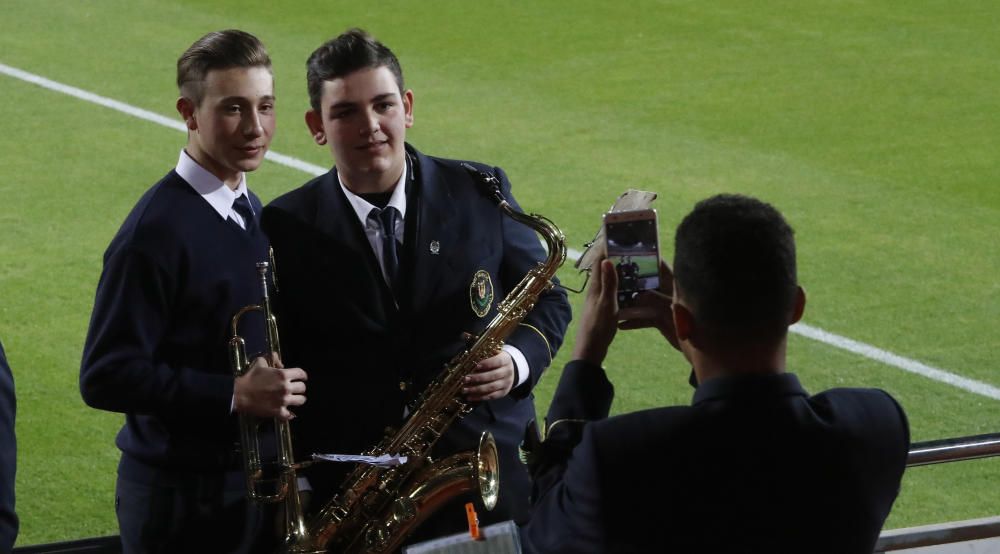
(367,357)
(8,456)
(755,464)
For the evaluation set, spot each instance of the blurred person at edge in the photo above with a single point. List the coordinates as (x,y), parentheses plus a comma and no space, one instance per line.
(8,456)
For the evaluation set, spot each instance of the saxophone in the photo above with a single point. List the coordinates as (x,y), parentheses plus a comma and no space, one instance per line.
(378,507)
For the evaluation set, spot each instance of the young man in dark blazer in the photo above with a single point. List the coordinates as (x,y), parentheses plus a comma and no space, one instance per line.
(384,263)
(182,264)
(754,464)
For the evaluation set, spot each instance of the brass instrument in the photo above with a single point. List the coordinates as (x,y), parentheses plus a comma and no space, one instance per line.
(377,507)
(284,487)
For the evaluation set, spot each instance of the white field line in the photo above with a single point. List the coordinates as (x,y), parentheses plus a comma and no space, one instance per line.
(888,358)
(844,343)
(142,114)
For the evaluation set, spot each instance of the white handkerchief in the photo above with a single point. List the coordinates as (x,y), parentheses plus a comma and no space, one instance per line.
(385,460)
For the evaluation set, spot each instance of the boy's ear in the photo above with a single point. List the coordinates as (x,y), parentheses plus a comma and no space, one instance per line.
(185,107)
(408,107)
(315,123)
(800,305)
(683,321)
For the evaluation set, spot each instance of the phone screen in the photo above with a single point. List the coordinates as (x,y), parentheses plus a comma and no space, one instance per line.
(632,247)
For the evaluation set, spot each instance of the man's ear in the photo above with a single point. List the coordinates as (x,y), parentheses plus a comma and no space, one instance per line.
(185,107)
(408,107)
(800,305)
(314,120)
(683,321)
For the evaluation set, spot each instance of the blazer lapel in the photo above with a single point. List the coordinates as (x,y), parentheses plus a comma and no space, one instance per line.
(430,200)
(335,217)
(337,221)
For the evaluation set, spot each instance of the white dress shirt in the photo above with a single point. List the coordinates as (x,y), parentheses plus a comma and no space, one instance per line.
(212,189)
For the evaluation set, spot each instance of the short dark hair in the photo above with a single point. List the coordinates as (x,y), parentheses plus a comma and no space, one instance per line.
(353,50)
(734,263)
(217,50)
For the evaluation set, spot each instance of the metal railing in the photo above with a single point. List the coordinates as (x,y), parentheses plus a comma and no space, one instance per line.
(954,450)
(937,452)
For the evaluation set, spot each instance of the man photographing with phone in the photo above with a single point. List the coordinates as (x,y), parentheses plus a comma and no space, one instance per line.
(754,464)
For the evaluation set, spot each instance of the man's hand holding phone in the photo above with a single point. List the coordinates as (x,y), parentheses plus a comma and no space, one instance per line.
(630,288)
(652,308)
(599,318)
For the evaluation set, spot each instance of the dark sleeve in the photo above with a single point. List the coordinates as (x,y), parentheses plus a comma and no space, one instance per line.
(567,514)
(584,394)
(897,439)
(120,370)
(541,333)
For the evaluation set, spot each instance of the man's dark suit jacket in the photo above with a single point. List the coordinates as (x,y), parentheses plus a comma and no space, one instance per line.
(364,356)
(755,464)
(8,456)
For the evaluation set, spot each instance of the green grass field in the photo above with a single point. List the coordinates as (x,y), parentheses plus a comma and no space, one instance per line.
(871,125)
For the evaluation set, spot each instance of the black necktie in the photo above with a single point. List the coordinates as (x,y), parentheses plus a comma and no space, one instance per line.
(390,256)
(242,206)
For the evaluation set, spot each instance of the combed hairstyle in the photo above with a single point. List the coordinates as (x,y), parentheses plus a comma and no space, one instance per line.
(353,50)
(217,50)
(734,263)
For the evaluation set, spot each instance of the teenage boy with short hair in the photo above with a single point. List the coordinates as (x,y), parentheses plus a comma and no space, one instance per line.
(374,306)
(179,268)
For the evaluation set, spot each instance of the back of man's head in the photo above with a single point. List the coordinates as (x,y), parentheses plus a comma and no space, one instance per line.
(734,266)
(353,50)
(214,51)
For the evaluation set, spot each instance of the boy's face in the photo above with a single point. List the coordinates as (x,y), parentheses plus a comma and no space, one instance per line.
(364,119)
(230,130)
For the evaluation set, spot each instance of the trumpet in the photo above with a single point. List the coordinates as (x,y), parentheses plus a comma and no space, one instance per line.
(274,481)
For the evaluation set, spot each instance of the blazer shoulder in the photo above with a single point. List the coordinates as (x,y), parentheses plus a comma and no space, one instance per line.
(853,397)
(299,203)
(870,411)
(454,173)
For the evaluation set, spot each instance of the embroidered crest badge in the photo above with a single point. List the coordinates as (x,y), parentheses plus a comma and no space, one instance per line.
(481,293)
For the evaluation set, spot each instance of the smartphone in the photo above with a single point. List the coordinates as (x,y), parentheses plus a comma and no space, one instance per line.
(633,247)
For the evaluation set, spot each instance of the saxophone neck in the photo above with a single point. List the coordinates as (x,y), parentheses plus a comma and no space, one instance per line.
(555,240)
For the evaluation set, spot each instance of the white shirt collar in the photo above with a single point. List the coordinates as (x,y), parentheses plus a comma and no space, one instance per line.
(210,187)
(363,207)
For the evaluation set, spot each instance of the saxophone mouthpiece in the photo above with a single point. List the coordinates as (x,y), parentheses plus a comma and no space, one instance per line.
(488,183)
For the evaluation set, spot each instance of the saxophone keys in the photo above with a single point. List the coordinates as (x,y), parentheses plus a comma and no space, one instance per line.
(403,509)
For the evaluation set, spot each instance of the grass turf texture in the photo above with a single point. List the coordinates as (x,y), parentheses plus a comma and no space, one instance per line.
(867,123)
